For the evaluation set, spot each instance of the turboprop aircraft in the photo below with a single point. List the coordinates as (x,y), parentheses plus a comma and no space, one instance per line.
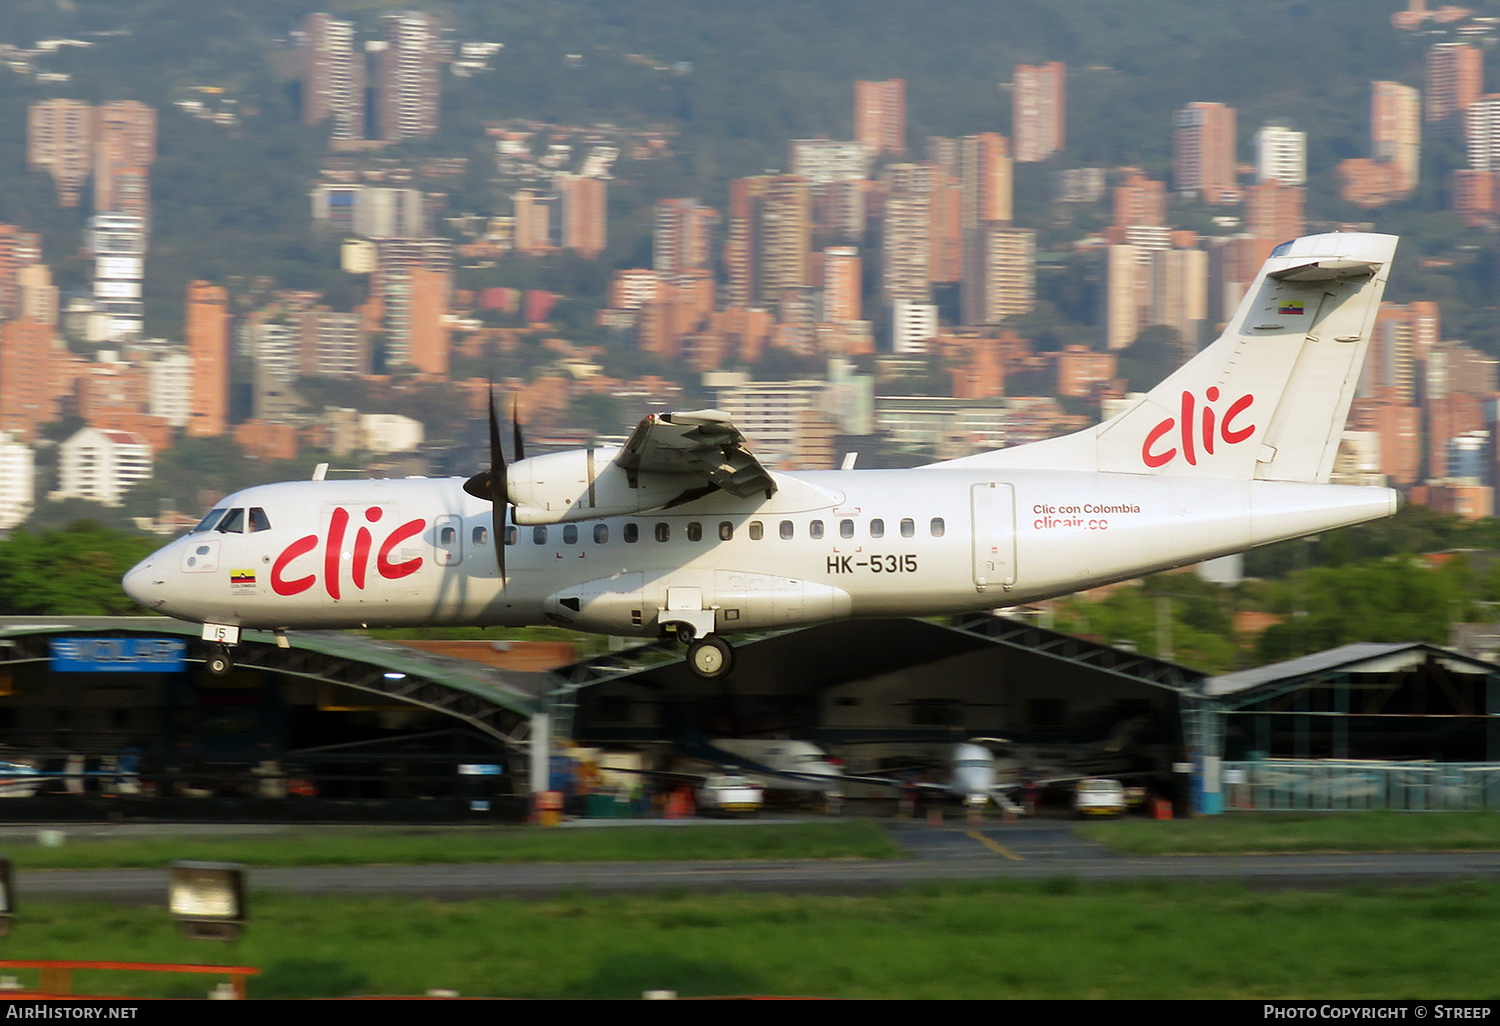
(682,531)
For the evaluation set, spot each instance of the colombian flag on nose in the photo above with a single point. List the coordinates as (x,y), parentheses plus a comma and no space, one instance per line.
(1290,306)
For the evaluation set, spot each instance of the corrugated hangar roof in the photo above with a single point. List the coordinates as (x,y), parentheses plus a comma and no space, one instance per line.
(850,650)
(1360,657)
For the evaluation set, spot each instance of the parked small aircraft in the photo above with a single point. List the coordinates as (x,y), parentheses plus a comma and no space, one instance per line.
(682,531)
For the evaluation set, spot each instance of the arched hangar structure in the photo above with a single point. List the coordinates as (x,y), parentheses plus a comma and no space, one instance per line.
(1363,726)
(121,710)
(878,692)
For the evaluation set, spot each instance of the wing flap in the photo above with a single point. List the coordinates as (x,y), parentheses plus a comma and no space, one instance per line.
(703,442)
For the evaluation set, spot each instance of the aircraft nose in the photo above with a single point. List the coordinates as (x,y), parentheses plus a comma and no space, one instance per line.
(144,584)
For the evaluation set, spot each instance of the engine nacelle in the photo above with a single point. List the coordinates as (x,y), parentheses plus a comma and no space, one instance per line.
(582,484)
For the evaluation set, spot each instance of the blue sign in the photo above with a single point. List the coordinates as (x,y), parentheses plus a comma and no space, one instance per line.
(118,655)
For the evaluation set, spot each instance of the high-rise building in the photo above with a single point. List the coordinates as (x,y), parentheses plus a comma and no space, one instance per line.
(29,372)
(60,141)
(124,150)
(19,250)
(333,77)
(1273,211)
(1203,146)
(584,213)
(1039,102)
(907,243)
(770,238)
(1281,155)
(1396,131)
(334,345)
(206,327)
(427,345)
(1455,79)
(880,115)
(17,482)
(533,225)
(1484,133)
(407,90)
(681,235)
(1140,201)
(842,271)
(1000,274)
(118,242)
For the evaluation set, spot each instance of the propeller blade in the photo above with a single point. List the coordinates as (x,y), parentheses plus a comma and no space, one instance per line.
(515,427)
(499,494)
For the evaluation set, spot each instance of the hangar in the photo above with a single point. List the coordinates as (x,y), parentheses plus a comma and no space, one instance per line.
(122,718)
(1362,726)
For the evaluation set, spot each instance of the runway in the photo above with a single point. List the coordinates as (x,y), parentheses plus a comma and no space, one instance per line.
(1032,850)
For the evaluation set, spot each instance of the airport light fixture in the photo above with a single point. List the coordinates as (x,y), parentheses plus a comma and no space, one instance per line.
(207,899)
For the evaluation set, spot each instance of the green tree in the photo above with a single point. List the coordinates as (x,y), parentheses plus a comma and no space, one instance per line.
(75,571)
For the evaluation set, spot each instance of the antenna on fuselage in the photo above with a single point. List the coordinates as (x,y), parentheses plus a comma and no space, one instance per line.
(320,472)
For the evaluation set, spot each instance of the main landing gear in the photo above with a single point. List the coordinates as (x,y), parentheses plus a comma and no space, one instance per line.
(709,657)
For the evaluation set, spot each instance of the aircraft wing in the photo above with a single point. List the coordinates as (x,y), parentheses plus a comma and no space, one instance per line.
(705,443)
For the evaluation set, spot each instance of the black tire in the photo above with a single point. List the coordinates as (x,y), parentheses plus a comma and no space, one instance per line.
(219,663)
(710,658)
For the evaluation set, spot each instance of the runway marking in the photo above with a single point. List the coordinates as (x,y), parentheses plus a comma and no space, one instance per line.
(995,846)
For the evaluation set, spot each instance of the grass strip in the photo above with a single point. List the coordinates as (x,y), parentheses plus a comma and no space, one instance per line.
(1056,939)
(314,846)
(1278,833)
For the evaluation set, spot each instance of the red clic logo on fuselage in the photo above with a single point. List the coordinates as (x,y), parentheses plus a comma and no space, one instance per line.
(359,564)
(1205,424)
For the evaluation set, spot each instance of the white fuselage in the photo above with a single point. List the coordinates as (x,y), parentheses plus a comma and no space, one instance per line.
(824,546)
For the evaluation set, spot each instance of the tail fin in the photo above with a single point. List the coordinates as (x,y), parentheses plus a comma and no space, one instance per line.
(1268,400)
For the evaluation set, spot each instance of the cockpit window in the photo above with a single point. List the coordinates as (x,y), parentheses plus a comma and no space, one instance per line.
(208,522)
(258,520)
(233,522)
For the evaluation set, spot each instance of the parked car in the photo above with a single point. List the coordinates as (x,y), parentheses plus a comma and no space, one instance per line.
(726,794)
(1099,796)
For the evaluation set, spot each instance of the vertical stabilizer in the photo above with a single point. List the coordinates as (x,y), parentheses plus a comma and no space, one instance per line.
(1267,400)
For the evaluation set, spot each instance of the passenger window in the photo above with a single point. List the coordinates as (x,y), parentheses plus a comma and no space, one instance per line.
(233,523)
(631,532)
(726,530)
(815,529)
(757,531)
(512,534)
(481,536)
(908,528)
(877,528)
(258,520)
(786,530)
(846,529)
(601,534)
(937,527)
(695,531)
(447,536)
(663,531)
(539,535)
(570,534)
(208,522)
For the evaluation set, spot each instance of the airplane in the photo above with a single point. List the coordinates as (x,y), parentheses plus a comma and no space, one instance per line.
(682,531)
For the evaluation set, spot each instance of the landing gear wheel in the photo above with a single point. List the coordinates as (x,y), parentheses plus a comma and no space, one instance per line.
(219,662)
(710,657)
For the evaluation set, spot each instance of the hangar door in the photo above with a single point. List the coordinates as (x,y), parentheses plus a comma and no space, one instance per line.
(994,510)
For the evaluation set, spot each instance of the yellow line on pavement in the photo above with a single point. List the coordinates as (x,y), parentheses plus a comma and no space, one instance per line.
(995,846)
